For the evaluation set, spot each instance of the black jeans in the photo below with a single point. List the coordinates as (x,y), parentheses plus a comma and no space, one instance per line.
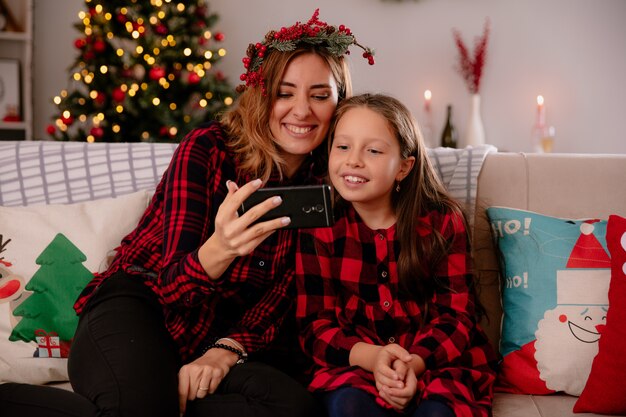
(124,363)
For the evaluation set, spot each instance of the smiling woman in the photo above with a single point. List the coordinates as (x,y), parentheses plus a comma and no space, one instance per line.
(198,288)
(303,108)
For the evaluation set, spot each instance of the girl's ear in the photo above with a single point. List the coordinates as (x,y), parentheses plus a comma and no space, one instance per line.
(405,167)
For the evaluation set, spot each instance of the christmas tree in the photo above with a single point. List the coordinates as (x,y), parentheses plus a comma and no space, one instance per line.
(55,287)
(144,72)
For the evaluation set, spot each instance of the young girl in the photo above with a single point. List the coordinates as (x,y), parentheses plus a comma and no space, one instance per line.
(385,299)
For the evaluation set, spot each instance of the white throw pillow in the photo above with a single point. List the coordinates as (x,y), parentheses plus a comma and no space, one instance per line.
(48,253)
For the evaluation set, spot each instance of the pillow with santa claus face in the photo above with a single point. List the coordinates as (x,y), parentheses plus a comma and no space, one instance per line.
(556,275)
(605,392)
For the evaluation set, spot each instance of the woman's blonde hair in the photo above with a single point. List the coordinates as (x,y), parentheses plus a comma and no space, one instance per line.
(247,123)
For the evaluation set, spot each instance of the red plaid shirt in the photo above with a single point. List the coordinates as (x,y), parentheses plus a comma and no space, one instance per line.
(348,292)
(251,298)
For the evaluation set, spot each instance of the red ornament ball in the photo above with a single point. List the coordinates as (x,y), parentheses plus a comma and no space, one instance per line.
(156,73)
(99,46)
(118,94)
(193,78)
(219,36)
(97,132)
(51,129)
(164,131)
(161,29)
(100,99)
(67,120)
(139,27)
(80,43)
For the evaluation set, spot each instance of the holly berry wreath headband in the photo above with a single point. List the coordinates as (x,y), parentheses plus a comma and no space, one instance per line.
(336,41)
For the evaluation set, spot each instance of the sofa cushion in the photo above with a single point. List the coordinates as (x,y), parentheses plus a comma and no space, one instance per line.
(555,275)
(515,405)
(48,254)
(50,172)
(603,393)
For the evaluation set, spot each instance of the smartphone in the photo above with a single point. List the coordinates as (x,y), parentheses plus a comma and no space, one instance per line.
(306,205)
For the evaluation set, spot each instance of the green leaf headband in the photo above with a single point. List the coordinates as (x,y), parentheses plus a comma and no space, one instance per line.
(336,40)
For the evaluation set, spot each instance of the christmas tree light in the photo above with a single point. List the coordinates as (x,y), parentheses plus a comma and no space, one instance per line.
(144,72)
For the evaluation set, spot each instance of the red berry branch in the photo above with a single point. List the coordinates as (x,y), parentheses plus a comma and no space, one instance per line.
(471,68)
(335,40)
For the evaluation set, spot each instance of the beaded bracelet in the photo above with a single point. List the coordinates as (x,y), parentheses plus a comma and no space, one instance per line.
(243,356)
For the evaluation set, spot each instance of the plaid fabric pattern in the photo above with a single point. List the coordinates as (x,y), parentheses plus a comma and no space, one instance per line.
(71,172)
(249,301)
(347,287)
(46,172)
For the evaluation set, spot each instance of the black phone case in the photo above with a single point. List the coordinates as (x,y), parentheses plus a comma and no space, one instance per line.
(306,205)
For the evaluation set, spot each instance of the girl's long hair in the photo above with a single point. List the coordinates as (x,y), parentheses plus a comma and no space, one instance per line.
(420,192)
(247,123)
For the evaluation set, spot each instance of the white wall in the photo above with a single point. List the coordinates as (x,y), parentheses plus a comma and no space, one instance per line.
(573,52)
(53,54)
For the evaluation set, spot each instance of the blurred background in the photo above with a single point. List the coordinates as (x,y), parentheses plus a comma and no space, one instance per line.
(571,52)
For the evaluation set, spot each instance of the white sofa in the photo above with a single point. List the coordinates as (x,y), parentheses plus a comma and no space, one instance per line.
(573,186)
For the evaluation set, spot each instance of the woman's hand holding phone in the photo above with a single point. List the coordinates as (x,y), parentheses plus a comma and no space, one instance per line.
(238,235)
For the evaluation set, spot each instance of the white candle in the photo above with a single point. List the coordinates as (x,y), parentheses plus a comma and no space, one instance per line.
(428,95)
(541,111)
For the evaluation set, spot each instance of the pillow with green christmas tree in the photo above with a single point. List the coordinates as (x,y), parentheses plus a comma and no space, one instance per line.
(48,253)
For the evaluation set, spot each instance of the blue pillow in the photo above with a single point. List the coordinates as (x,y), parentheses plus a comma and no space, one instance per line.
(555,276)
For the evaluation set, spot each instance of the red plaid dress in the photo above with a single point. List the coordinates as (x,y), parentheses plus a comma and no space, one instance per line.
(348,292)
(249,302)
